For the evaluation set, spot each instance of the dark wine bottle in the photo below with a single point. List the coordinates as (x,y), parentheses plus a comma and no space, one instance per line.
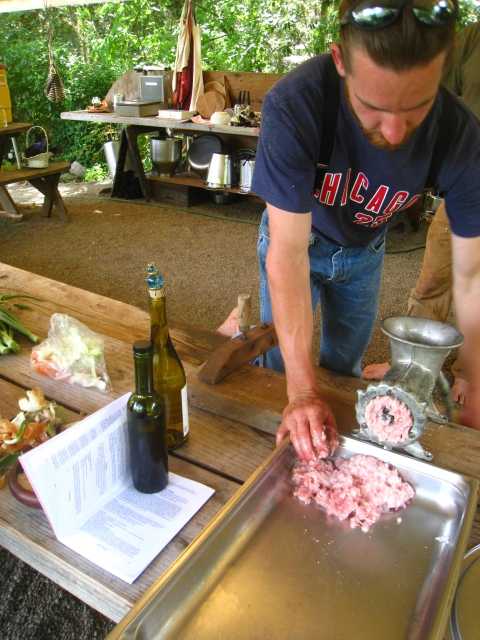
(146,418)
(169,379)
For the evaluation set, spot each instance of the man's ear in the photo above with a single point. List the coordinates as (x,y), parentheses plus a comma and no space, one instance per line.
(337,56)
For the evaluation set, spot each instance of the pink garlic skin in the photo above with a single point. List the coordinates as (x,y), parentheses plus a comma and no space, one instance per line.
(358,489)
(381,425)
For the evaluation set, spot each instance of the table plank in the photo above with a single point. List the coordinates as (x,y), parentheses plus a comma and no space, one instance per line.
(26,533)
(8,176)
(216,443)
(252,396)
(104,315)
(154,121)
(13,128)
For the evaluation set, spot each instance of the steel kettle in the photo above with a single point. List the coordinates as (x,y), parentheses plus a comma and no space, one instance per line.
(220,171)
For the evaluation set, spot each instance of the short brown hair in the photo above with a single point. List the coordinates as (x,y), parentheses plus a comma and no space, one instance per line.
(402,45)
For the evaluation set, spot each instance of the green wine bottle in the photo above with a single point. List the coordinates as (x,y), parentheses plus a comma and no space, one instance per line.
(146,420)
(168,373)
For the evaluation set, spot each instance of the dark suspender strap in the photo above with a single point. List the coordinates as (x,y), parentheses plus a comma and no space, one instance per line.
(331,90)
(446,125)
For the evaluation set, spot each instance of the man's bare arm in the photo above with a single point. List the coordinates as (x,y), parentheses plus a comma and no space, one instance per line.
(288,270)
(307,417)
(466,285)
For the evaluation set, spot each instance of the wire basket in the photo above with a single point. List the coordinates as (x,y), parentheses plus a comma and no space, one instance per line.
(39,161)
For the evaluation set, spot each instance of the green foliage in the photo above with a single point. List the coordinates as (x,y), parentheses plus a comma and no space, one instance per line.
(95,44)
(96,173)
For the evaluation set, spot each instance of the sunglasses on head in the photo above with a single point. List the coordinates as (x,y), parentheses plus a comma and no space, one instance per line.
(376,14)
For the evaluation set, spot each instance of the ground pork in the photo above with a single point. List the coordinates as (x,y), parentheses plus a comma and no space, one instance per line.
(358,489)
(389,419)
(325,442)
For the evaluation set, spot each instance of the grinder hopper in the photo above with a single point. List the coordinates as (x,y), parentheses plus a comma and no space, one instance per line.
(393,413)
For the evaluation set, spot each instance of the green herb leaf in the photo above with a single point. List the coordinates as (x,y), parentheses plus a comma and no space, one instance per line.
(8,461)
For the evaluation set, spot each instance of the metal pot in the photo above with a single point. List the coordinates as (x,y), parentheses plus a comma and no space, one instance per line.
(165,154)
(220,171)
(247,168)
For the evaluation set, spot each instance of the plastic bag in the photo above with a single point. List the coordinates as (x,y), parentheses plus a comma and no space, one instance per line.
(72,353)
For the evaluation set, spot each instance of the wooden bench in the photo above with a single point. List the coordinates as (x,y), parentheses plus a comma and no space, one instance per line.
(45,180)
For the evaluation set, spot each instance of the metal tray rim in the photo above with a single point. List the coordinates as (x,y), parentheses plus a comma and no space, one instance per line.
(167,580)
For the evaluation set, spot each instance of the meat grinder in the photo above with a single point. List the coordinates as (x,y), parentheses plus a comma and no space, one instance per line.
(404,396)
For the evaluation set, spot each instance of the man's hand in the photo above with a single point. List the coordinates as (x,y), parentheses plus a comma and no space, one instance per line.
(312,427)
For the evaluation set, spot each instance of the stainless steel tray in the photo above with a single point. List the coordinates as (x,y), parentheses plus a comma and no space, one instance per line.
(269,568)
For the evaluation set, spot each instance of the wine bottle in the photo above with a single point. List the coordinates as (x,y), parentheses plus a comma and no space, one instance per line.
(146,419)
(168,373)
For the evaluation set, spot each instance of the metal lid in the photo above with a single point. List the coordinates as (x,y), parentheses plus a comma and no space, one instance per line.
(202,149)
(465,620)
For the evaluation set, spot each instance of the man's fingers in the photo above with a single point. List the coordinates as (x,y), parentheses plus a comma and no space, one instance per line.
(323,429)
(302,440)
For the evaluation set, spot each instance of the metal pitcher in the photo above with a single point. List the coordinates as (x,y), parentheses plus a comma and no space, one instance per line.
(247,167)
(220,171)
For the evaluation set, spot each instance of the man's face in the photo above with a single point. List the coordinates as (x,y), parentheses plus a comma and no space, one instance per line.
(389,105)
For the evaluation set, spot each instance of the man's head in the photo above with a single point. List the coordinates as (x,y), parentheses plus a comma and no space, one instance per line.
(392,72)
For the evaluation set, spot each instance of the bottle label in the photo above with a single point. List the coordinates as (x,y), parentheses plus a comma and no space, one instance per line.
(186,423)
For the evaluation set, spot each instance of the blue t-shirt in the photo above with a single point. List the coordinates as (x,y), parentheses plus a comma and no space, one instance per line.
(358,194)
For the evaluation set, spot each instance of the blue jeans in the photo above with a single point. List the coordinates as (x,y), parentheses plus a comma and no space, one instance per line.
(346,282)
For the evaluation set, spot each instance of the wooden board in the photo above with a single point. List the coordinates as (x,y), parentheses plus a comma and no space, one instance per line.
(220,452)
(192,180)
(18,175)
(258,84)
(251,396)
(161,123)
(26,533)
(14,128)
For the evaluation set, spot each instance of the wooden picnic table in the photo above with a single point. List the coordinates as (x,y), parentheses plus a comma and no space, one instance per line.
(44,179)
(231,431)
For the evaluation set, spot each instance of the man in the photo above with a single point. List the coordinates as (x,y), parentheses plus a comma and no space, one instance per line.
(322,236)
(432,294)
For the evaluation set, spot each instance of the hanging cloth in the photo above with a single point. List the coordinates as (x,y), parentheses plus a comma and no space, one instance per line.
(187,81)
(54,87)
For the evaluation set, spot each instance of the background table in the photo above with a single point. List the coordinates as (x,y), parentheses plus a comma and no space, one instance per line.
(236,137)
(45,180)
(231,427)
(7,134)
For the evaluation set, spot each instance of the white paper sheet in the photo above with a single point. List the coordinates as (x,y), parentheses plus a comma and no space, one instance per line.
(82,479)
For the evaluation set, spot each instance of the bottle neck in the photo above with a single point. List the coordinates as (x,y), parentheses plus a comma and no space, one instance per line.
(158,317)
(143,374)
